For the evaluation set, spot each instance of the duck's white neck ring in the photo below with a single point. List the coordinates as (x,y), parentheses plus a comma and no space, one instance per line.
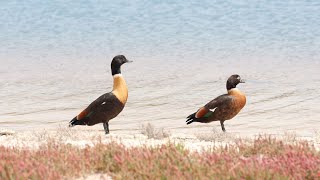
(117,75)
(233,90)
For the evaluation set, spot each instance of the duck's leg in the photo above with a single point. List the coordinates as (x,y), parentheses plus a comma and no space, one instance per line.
(106,127)
(222,126)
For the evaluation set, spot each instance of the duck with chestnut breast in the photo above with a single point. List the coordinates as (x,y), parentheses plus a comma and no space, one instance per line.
(108,105)
(223,107)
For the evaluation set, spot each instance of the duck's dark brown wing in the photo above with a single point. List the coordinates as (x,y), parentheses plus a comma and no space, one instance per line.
(93,106)
(218,101)
(206,111)
(102,109)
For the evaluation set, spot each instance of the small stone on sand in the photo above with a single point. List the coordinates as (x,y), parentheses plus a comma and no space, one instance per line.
(6,132)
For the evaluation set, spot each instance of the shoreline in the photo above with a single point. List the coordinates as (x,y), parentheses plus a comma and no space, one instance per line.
(150,137)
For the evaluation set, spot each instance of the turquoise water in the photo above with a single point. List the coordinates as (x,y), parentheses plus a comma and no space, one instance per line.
(55,58)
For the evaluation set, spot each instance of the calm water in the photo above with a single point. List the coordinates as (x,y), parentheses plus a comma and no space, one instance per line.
(55,59)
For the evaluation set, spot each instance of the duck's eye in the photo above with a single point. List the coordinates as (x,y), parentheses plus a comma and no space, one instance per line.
(238,77)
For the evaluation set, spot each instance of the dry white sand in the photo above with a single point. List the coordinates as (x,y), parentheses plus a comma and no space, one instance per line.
(82,136)
(95,177)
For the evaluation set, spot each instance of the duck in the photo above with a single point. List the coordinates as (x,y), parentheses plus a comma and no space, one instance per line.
(223,107)
(108,105)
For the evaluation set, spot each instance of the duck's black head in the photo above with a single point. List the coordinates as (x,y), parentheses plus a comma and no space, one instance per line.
(116,63)
(233,81)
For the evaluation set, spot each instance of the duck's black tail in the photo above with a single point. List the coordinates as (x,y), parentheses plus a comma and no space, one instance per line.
(75,122)
(204,119)
(191,118)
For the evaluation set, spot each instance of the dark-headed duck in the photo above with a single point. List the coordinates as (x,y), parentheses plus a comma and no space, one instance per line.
(109,105)
(223,107)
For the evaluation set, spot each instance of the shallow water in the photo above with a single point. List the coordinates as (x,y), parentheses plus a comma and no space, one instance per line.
(55,59)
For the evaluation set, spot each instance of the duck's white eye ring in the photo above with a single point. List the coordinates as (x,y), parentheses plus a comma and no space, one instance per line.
(238,77)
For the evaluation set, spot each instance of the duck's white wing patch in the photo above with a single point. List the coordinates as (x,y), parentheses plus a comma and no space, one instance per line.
(213,109)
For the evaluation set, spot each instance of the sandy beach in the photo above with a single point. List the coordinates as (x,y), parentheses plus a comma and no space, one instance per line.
(148,136)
